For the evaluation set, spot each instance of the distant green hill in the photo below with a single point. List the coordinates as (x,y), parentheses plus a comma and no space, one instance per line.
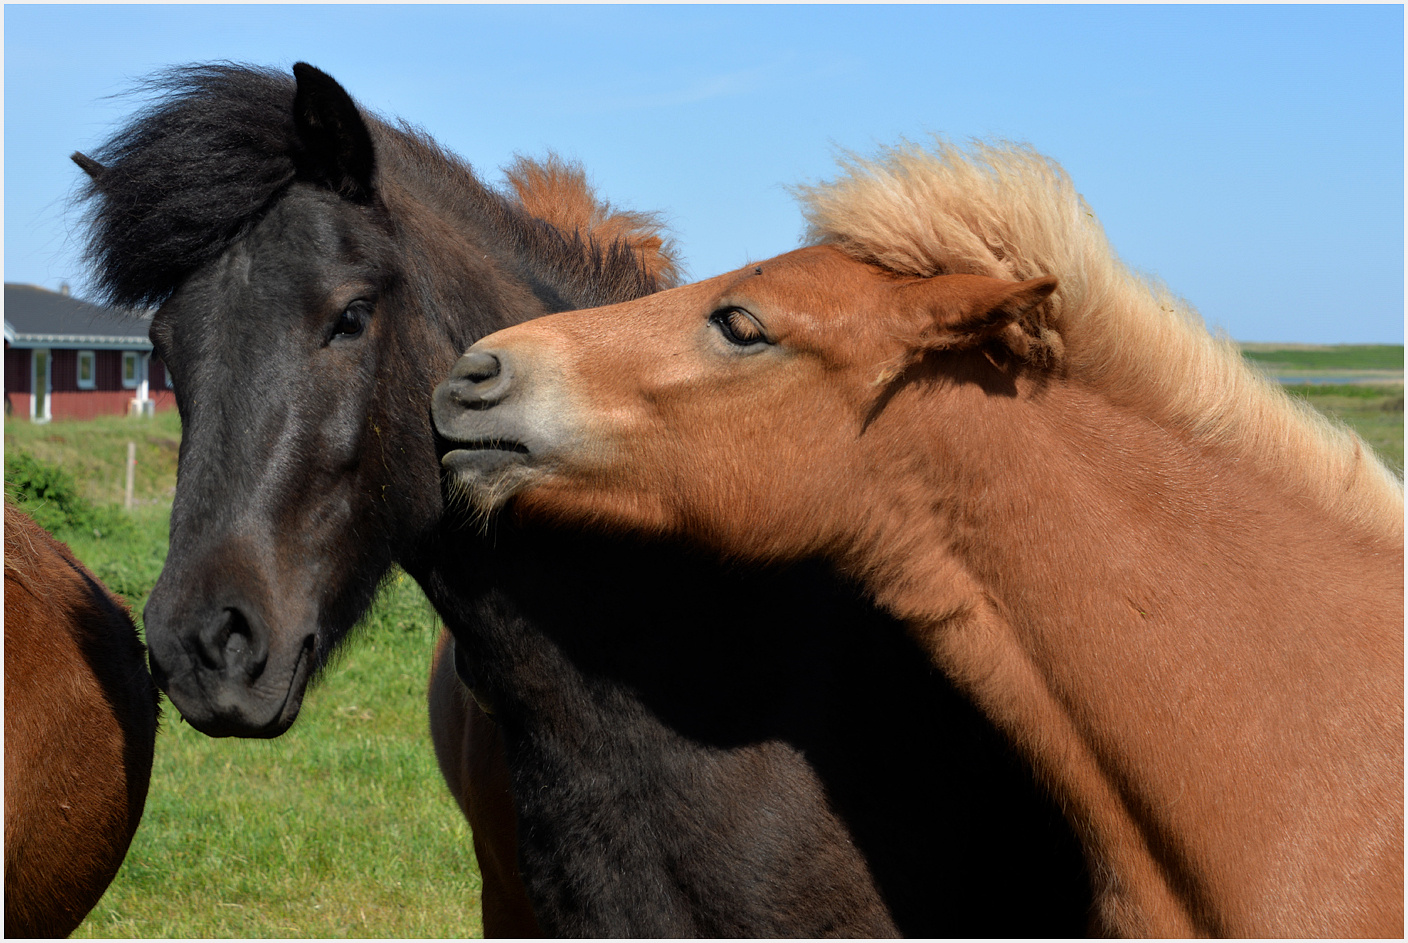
(1314,357)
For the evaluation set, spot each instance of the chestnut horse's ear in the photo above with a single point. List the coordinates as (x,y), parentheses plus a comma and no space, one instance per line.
(956,312)
(336,145)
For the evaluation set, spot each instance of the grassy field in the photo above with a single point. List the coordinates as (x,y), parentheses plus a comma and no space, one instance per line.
(342,827)
(1326,357)
(1310,362)
(93,453)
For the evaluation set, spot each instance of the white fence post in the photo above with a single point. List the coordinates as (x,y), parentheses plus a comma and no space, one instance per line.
(131,473)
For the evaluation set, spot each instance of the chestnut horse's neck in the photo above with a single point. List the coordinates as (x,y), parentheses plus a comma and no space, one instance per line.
(1204,663)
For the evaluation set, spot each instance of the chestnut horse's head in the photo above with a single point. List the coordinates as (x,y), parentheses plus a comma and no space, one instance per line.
(734,410)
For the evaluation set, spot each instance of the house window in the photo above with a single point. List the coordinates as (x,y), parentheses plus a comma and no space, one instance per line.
(87,370)
(129,370)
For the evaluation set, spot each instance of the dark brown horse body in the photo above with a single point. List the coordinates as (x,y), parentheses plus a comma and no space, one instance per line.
(80,726)
(728,779)
(714,779)
(1177,592)
(470,751)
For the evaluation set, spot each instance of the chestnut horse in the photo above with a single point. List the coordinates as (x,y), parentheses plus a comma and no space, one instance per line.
(80,728)
(714,779)
(1175,590)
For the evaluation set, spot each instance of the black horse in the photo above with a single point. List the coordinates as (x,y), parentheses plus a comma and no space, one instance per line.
(680,764)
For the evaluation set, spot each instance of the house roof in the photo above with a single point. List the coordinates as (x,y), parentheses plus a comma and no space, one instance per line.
(37,317)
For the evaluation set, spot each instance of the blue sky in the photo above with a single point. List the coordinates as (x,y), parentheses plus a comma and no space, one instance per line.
(1251,157)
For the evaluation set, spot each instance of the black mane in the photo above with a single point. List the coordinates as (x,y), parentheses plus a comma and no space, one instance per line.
(217,145)
(187,176)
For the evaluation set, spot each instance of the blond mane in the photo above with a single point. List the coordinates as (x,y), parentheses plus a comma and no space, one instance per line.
(557,191)
(1006,211)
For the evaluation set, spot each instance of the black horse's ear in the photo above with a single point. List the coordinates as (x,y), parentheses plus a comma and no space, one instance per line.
(90,166)
(337,147)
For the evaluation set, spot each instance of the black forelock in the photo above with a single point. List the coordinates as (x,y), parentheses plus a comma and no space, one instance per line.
(186,176)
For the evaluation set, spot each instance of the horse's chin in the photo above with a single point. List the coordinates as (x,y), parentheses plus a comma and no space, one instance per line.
(485,478)
(303,672)
(217,710)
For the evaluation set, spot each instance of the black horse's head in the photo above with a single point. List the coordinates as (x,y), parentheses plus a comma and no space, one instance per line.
(317,273)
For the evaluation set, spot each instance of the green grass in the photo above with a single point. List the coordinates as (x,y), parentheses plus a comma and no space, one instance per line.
(342,827)
(95,451)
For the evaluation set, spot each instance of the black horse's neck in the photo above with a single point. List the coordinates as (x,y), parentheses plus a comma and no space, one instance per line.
(473,242)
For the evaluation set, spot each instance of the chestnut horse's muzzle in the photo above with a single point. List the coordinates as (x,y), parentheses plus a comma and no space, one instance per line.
(497,423)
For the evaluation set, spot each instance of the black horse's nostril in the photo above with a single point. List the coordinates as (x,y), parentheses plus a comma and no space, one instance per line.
(228,643)
(478,380)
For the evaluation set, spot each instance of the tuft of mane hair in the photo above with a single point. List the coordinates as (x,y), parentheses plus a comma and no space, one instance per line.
(558,192)
(1005,211)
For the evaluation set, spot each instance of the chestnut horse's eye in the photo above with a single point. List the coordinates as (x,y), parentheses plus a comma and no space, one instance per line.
(353,320)
(738,327)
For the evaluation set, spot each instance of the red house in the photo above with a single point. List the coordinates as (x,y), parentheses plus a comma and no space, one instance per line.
(68,359)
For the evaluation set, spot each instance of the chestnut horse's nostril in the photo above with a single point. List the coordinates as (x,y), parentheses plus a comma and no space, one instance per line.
(476,366)
(479,380)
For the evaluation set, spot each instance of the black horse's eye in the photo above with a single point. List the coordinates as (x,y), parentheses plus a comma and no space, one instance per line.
(738,327)
(353,320)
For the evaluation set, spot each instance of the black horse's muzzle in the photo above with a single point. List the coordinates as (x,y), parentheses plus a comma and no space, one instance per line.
(221,665)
